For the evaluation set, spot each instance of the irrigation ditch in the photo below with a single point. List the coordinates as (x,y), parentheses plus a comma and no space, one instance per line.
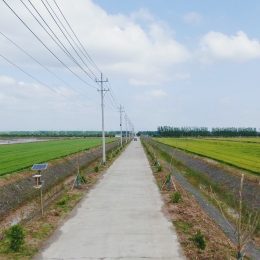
(57,179)
(218,176)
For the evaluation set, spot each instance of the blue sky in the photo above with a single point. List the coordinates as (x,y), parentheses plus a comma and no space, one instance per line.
(177,63)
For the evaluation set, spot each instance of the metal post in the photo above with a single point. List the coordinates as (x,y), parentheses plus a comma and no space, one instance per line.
(41,202)
(103,124)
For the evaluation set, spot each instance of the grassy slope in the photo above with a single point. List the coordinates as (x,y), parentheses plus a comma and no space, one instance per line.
(20,156)
(240,154)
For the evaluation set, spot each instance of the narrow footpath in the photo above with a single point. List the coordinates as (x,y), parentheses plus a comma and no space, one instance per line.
(120,218)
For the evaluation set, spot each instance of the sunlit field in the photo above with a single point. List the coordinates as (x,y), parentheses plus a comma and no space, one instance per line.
(232,151)
(16,157)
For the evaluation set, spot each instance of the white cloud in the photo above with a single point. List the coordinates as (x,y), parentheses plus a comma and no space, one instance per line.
(151,95)
(119,44)
(192,18)
(218,46)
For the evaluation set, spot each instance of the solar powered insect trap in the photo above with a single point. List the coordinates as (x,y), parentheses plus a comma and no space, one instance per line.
(37,179)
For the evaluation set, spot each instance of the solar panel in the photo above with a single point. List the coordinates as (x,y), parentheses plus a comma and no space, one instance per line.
(39,167)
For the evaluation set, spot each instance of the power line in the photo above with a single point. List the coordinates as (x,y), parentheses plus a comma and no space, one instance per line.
(77,38)
(42,82)
(108,105)
(64,49)
(46,46)
(114,97)
(67,40)
(45,67)
(71,39)
(110,102)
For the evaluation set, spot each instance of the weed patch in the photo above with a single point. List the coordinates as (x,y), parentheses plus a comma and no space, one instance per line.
(176,197)
(199,240)
(184,226)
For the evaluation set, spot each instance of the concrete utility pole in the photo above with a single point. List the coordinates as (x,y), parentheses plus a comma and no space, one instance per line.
(130,134)
(125,128)
(102,90)
(121,111)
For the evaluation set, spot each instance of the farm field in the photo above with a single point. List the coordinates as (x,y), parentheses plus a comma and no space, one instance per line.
(239,154)
(237,139)
(16,157)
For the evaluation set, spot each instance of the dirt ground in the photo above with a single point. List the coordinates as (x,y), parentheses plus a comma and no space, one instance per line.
(188,218)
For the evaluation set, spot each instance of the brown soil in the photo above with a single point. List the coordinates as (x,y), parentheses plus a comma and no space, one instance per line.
(188,217)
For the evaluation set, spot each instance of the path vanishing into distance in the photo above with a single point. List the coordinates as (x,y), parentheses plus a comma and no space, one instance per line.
(120,218)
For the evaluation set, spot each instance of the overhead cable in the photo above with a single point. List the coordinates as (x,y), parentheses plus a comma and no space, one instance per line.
(90,60)
(71,39)
(46,67)
(43,83)
(64,49)
(68,41)
(46,46)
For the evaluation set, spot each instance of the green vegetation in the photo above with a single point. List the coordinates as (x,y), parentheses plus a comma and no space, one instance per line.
(16,157)
(184,226)
(176,197)
(96,168)
(239,154)
(159,168)
(199,240)
(63,200)
(15,235)
(237,139)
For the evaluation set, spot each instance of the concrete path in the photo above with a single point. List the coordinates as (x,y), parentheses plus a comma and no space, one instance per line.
(121,218)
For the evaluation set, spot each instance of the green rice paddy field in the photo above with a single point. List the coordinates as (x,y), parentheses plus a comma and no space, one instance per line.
(233,151)
(237,139)
(16,157)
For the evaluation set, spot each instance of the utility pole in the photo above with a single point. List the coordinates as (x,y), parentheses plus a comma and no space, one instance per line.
(102,90)
(130,133)
(125,128)
(120,111)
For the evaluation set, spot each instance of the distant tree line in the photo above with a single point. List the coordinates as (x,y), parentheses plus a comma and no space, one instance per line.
(233,131)
(58,133)
(182,131)
(168,131)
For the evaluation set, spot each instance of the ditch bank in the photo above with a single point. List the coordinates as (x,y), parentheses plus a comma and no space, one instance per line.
(250,189)
(212,211)
(18,192)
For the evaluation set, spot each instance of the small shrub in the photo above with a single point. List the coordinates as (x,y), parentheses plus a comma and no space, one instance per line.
(176,197)
(199,240)
(63,200)
(107,158)
(96,168)
(15,236)
(159,168)
(83,178)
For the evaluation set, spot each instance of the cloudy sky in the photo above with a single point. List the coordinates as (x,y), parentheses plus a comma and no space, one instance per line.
(168,62)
